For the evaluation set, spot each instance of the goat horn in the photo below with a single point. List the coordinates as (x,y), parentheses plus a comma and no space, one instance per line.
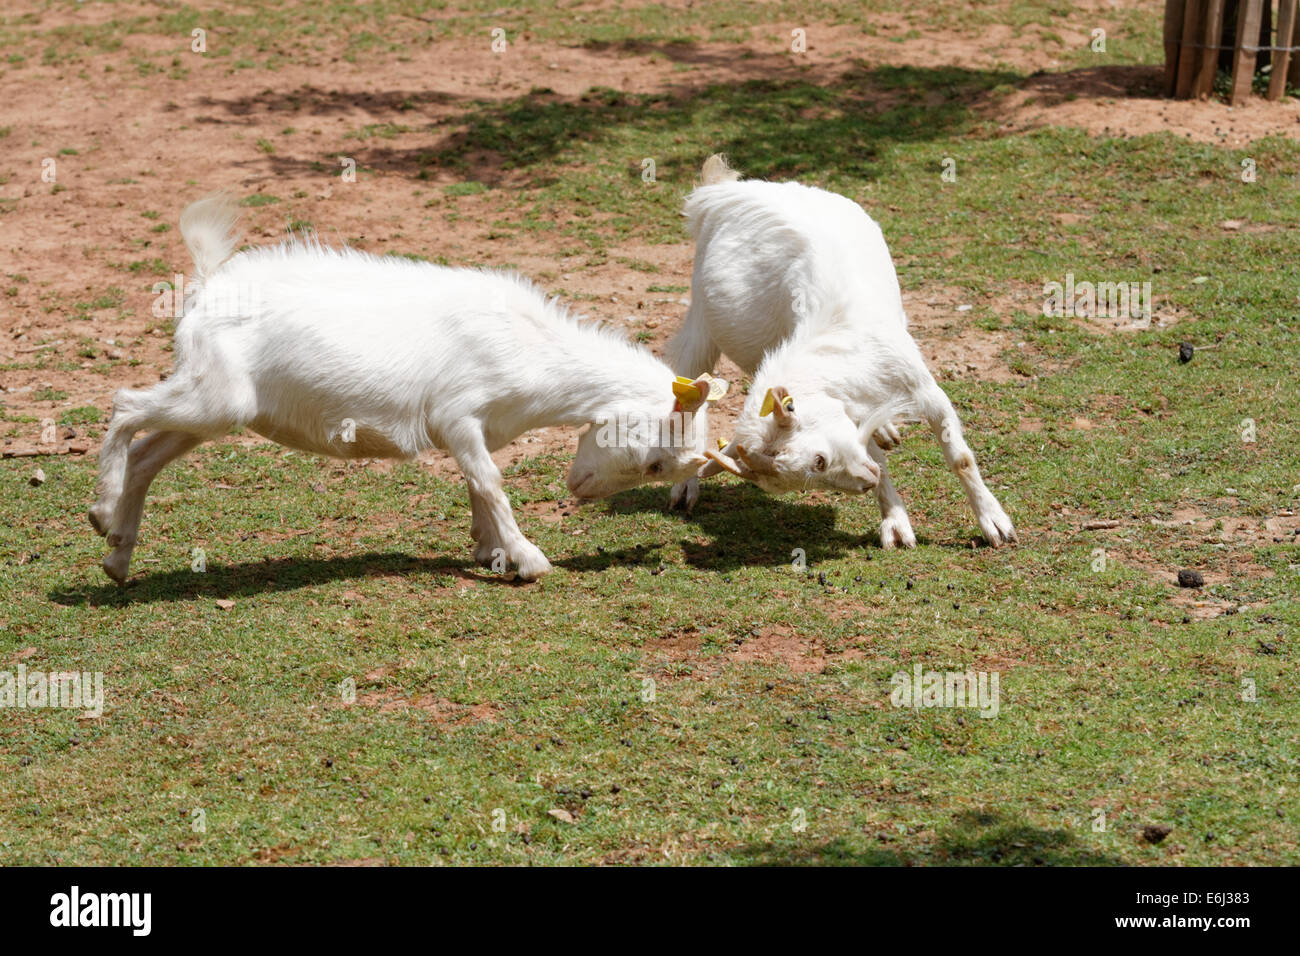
(719,462)
(756,461)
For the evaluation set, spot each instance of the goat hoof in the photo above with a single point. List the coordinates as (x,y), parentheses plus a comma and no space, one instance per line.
(1000,533)
(492,555)
(684,495)
(997,527)
(532,567)
(116,566)
(887,436)
(101,520)
(896,533)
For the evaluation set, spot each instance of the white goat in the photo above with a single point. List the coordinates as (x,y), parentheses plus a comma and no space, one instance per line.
(796,286)
(346,354)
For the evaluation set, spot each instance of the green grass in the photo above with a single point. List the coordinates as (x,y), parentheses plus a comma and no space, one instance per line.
(112,298)
(85,415)
(528,699)
(464,189)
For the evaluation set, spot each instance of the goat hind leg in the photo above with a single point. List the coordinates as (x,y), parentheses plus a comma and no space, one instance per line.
(179,404)
(127,419)
(147,458)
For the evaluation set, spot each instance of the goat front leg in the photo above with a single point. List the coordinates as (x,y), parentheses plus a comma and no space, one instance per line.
(992,519)
(684,495)
(895,526)
(493,527)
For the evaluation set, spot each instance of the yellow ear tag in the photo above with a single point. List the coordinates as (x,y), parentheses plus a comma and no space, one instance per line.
(769,403)
(685,390)
(722,443)
(717,387)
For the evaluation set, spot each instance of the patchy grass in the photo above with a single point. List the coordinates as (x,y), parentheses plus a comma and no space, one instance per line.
(464,189)
(263,35)
(85,415)
(677,687)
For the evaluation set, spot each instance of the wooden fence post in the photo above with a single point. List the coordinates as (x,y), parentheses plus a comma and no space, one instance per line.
(1173,40)
(1293,71)
(1282,61)
(1209,58)
(1202,37)
(1243,61)
(1189,54)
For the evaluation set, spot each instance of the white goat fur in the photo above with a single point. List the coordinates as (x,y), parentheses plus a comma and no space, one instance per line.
(796,286)
(346,354)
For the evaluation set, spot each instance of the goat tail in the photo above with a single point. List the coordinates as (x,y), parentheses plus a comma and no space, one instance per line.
(716,171)
(208,228)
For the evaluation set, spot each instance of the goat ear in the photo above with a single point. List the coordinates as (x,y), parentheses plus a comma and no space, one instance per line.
(690,395)
(778,402)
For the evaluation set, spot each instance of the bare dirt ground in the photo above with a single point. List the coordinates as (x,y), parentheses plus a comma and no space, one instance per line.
(131,150)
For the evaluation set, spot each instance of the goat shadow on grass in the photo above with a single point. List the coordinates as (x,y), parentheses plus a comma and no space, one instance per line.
(973,838)
(750,527)
(773,114)
(268,576)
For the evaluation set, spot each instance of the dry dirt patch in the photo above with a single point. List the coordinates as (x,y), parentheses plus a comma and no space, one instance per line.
(445,713)
(783,646)
(943,323)
(777,645)
(1126,101)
